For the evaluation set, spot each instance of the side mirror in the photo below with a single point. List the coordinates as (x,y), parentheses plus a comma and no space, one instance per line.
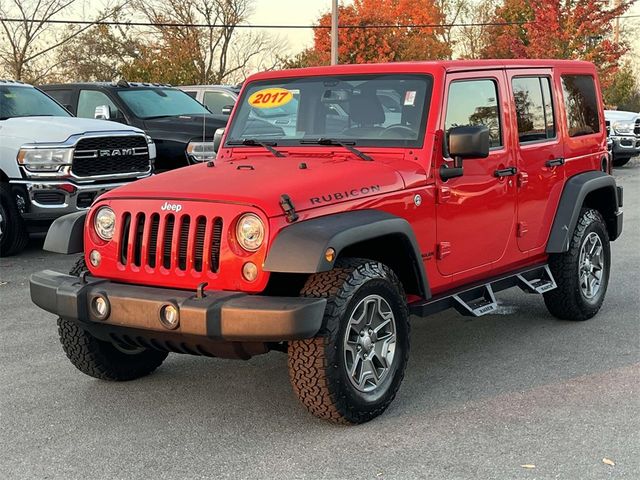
(217,138)
(102,112)
(226,110)
(469,141)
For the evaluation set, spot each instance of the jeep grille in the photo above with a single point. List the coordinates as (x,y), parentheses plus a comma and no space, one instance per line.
(96,156)
(173,242)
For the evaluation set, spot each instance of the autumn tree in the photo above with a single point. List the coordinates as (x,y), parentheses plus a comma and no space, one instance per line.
(26,46)
(361,42)
(195,54)
(623,92)
(568,29)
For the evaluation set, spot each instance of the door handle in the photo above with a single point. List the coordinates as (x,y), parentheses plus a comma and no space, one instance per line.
(505,172)
(556,162)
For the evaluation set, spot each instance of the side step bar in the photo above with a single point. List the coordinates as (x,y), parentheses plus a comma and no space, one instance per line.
(479,300)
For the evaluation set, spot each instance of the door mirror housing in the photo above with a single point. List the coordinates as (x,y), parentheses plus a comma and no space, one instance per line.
(217,138)
(226,110)
(102,112)
(466,142)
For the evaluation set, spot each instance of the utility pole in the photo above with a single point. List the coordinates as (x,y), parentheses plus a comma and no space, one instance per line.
(616,30)
(334,32)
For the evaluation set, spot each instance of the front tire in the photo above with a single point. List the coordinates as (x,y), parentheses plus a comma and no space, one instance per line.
(13,233)
(581,273)
(100,359)
(352,370)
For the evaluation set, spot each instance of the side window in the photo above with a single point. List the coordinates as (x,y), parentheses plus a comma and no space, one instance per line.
(63,97)
(534,108)
(475,102)
(191,93)
(581,104)
(216,101)
(90,99)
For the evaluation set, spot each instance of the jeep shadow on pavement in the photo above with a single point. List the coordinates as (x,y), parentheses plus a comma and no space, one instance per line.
(487,174)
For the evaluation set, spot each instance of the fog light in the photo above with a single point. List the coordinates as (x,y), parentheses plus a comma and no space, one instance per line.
(100,306)
(95,258)
(169,316)
(250,271)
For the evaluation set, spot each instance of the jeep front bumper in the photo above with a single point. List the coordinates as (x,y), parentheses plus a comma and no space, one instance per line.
(215,316)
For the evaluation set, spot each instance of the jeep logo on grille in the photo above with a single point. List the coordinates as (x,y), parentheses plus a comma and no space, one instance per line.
(171,207)
(115,152)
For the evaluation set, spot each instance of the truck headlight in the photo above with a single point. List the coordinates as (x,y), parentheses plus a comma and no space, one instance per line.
(45,159)
(250,232)
(201,151)
(104,223)
(623,127)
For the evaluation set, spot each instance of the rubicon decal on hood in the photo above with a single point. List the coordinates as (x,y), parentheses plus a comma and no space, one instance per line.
(347,194)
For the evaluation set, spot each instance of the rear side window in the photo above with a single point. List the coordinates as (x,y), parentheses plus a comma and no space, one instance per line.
(534,109)
(475,102)
(581,104)
(63,97)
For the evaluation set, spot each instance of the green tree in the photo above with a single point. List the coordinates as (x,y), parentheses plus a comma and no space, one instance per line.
(624,91)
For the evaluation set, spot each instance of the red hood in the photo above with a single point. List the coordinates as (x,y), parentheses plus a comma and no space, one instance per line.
(260,181)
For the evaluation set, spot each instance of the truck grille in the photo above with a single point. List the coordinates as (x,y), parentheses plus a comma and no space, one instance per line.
(96,156)
(637,129)
(173,242)
(608,126)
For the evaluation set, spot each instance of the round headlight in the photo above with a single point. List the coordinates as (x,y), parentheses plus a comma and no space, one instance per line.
(250,232)
(104,223)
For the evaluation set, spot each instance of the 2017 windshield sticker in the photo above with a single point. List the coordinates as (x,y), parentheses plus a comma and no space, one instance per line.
(270,98)
(346,195)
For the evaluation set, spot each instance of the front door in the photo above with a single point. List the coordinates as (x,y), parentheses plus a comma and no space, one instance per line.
(476,212)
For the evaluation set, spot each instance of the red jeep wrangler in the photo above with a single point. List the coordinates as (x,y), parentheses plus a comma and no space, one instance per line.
(343,200)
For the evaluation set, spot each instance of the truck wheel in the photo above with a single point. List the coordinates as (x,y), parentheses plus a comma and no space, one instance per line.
(352,370)
(13,234)
(620,162)
(104,360)
(582,273)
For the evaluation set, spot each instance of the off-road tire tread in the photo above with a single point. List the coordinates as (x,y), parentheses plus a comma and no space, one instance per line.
(562,302)
(100,359)
(19,237)
(310,367)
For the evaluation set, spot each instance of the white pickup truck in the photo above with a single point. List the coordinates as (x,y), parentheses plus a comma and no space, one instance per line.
(52,163)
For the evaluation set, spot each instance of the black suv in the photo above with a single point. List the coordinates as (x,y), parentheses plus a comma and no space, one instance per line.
(181,128)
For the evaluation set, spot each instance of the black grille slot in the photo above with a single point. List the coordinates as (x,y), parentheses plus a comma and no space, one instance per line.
(153,240)
(215,244)
(137,246)
(167,238)
(183,242)
(637,129)
(163,241)
(49,198)
(124,241)
(198,254)
(608,126)
(110,155)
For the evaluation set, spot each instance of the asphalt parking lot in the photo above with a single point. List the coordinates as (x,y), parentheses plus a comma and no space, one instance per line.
(480,399)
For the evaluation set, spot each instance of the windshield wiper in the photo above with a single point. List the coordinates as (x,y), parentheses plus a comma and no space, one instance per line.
(344,144)
(250,142)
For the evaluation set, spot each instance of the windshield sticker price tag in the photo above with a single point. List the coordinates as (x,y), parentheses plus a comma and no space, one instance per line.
(410,97)
(270,98)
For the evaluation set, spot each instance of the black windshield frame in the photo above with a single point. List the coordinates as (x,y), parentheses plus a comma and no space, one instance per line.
(242,114)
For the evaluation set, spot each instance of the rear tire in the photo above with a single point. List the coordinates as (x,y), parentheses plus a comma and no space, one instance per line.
(352,370)
(13,233)
(620,162)
(581,273)
(100,359)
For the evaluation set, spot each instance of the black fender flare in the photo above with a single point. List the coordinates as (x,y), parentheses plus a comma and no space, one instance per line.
(301,247)
(66,234)
(575,191)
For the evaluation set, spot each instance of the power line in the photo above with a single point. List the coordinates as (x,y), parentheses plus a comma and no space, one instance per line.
(246,25)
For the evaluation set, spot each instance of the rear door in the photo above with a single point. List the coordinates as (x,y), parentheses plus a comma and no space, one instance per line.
(476,212)
(539,154)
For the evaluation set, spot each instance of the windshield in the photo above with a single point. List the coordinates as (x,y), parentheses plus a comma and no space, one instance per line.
(21,101)
(368,110)
(160,102)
